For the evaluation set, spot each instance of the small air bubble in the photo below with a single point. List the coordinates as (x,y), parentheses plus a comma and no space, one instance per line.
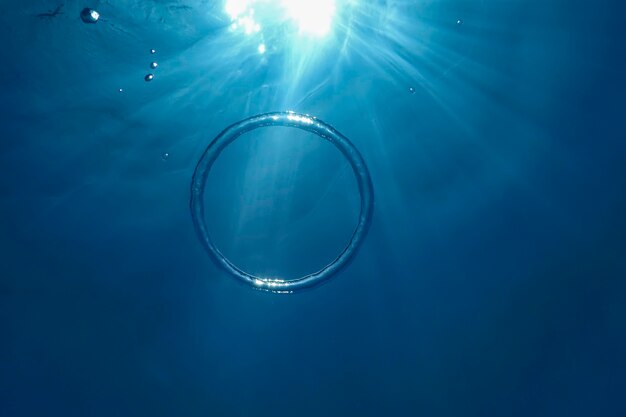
(153,65)
(459,22)
(121,90)
(153,51)
(148,77)
(165,155)
(89,15)
(411,90)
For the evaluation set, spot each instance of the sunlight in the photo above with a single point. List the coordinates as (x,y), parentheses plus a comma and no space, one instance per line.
(312,17)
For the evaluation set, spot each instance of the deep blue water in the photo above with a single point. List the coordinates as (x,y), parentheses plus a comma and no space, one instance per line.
(492,280)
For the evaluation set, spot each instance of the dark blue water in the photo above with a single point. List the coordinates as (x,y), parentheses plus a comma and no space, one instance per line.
(492,280)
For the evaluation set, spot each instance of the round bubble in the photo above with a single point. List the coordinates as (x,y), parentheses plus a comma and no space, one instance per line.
(153,65)
(306,123)
(153,51)
(148,77)
(89,15)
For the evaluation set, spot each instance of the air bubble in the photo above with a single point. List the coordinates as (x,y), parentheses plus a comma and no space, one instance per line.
(411,90)
(459,22)
(165,155)
(298,121)
(148,77)
(89,15)
(153,51)
(153,65)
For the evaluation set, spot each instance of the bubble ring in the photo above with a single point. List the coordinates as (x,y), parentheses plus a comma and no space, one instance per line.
(309,124)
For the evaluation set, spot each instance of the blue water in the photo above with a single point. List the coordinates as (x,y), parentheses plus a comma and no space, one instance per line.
(492,280)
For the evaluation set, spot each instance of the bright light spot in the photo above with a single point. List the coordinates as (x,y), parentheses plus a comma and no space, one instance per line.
(271,283)
(313,17)
(262,48)
(247,23)
(237,7)
(300,119)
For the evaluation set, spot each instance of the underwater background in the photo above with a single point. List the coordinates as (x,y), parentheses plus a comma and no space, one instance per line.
(493,277)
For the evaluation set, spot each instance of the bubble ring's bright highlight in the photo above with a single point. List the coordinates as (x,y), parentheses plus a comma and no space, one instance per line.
(309,124)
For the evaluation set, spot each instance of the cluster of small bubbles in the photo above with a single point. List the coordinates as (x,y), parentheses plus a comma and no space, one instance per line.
(459,22)
(411,90)
(148,77)
(88,15)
